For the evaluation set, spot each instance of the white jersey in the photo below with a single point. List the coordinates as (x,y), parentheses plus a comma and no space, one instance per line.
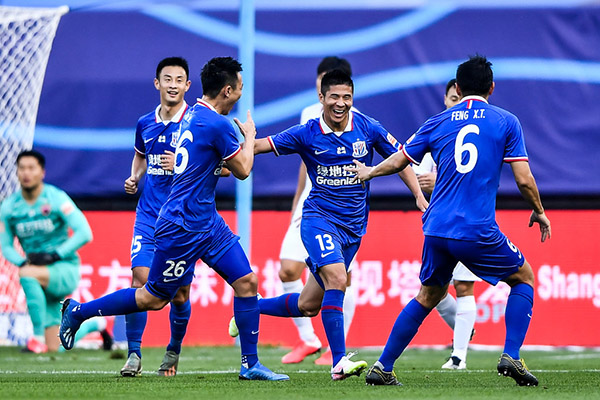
(461,273)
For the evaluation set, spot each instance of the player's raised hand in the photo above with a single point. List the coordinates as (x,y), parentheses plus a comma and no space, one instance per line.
(247,128)
(131,185)
(167,160)
(361,170)
(544,224)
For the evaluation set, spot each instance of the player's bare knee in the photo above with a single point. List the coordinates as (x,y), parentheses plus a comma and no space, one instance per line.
(290,270)
(182,295)
(430,296)
(156,304)
(463,288)
(246,286)
(139,277)
(288,275)
(147,301)
(309,308)
(523,275)
(335,282)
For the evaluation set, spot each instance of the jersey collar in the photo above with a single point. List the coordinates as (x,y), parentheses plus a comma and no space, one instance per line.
(176,118)
(206,104)
(326,129)
(470,99)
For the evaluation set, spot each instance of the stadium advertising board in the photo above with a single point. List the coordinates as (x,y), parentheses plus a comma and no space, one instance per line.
(385,278)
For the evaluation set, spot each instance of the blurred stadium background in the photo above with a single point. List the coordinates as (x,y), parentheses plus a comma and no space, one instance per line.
(546,57)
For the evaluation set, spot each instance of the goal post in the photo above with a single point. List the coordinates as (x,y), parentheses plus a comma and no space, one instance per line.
(26,36)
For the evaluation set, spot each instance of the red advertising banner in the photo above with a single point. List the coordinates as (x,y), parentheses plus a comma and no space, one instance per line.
(385,278)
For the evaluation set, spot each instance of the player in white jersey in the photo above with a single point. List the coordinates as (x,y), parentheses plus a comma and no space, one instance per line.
(293,254)
(458,313)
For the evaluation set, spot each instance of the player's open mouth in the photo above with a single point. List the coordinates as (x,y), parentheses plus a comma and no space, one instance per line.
(339,113)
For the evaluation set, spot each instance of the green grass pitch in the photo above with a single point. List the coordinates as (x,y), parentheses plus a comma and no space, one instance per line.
(211,373)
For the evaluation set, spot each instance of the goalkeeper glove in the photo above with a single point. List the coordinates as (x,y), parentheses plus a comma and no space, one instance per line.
(42,258)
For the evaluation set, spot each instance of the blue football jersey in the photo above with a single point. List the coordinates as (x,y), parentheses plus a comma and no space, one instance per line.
(207,140)
(326,153)
(468,142)
(152,137)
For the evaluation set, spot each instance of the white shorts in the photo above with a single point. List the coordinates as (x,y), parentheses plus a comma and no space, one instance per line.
(462,273)
(292,247)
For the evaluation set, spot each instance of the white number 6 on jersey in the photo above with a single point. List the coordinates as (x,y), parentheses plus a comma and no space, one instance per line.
(460,147)
(179,168)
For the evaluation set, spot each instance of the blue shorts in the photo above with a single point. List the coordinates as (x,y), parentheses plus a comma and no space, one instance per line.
(142,245)
(178,250)
(327,243)
(491,260)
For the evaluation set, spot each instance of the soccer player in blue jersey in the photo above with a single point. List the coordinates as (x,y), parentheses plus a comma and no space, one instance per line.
(334,216)
(155,140)
(189,228)
(458,313)
(468,142)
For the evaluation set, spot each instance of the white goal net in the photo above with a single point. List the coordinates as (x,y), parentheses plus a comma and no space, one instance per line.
(26,36)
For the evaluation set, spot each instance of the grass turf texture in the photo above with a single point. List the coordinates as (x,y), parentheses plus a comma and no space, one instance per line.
(212,373)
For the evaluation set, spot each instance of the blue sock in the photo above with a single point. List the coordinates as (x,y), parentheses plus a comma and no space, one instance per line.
(517,318)
(247,316)
(121,302)
(332,314)
(405,328)
(135,323)
(285,305)
(179,317)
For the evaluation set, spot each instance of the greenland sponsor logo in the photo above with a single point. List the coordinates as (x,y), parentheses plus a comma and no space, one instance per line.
(335,175)
(154,167)
(219,169)
(158,171)
(556,284)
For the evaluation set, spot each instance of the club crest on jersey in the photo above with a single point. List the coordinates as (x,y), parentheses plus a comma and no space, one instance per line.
(45,209)
(174,137)
(359,149)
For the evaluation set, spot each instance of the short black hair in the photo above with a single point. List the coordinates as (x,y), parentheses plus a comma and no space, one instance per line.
(450,85)
(475,76)
(173,62)
(35,154)
(332,62)
(218,73)
(335,77)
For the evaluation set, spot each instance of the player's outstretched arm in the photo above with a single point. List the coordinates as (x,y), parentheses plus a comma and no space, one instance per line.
(394,163)
(138,169)
(529,190)
(409,178)
(241,165)
(262,146)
